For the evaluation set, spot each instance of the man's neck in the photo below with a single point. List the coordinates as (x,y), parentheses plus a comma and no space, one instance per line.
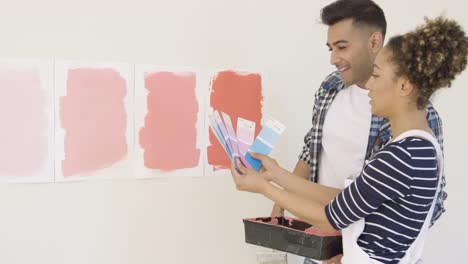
(362,84)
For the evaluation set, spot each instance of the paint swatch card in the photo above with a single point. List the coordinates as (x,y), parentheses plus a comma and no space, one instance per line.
(265,141)
(231,135)
(245,137)
(222,128)
(215,127)
(245,134)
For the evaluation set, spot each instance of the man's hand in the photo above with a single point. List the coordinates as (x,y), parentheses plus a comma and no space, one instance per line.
(277,211)
(335,260)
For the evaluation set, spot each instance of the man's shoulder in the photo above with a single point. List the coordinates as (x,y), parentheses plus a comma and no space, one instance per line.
(332,81)
(431,112)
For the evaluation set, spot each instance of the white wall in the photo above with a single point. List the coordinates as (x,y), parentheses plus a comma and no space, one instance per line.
(194,220)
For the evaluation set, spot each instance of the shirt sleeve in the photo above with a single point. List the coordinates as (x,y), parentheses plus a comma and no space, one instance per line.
(305,153)
(435,123)
(382,179)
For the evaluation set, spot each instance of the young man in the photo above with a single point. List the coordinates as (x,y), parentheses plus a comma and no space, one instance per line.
(344,133)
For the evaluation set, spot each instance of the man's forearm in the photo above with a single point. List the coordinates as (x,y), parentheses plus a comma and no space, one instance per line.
(298,182)
(309,210)
(302,187)
(302,170)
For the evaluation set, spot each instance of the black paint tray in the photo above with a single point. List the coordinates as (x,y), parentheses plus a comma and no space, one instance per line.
(293,236)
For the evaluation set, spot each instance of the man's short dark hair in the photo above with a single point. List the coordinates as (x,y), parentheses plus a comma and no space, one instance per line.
(362,12)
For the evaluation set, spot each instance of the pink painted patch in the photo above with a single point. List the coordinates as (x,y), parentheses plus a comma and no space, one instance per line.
(169,137)
(94,119)
(237,95)
(23,137)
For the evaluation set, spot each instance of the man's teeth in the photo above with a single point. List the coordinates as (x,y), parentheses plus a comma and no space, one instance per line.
(343,69)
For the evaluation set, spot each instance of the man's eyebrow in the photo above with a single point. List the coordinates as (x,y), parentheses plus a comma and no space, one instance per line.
(338,42)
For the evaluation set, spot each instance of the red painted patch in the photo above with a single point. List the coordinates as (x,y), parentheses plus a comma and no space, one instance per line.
(238,95)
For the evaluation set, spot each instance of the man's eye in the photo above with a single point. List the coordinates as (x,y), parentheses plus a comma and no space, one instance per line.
(341,48)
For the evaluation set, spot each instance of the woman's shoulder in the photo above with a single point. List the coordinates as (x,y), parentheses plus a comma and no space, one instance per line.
(410,150)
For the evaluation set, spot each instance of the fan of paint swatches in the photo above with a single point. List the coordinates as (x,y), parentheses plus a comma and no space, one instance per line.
(215,127)
(237,147)
(225,134)
(265,141)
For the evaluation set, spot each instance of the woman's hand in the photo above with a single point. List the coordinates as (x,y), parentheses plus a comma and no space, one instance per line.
(247,180)
(270,169)
(251,181)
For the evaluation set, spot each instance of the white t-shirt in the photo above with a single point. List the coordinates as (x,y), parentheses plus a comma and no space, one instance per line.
(345,137)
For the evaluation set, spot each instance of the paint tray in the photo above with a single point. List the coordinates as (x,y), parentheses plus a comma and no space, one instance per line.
(293,236)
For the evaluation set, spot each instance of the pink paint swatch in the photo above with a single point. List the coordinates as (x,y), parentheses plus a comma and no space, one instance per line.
(23,115)
(94,119)
(169,137)
(237,95)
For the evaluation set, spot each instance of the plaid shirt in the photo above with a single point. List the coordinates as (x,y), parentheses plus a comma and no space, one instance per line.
(379,133)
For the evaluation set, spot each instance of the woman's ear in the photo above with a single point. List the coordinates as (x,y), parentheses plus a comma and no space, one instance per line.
(405,87)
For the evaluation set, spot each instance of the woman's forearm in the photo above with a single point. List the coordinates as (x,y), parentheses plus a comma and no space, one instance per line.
(305,208)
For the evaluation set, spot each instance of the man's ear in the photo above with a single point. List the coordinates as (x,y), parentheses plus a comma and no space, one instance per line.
(376,42)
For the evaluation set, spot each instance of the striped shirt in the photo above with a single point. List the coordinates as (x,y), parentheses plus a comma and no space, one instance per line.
(393,194)
(379,134)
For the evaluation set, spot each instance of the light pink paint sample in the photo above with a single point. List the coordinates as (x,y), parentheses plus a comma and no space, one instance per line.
(169,137)
(94,119)
(23,115)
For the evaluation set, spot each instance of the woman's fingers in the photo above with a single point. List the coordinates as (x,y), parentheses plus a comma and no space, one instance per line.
(267,162)
(235,175)
(258,156)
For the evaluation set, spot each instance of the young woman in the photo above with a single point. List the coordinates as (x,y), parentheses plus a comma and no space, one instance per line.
(385,212)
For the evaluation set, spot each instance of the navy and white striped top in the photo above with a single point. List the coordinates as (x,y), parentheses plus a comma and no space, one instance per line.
(394,194)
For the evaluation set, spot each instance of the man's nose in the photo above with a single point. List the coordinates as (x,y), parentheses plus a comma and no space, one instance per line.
(368,84)
(334,59)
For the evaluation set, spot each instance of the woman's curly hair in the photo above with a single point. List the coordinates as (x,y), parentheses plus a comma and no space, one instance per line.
(430,56)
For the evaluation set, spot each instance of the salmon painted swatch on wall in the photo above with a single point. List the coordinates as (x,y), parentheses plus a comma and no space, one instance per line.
(238,95)
(169,135)
(94,118)
(23,114)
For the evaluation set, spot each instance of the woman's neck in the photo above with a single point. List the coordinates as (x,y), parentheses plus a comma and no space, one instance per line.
(409,120)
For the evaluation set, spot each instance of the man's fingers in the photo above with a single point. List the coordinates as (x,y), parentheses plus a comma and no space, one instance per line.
(334,260)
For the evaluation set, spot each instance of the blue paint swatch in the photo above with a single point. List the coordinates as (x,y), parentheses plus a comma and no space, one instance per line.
(265,142)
